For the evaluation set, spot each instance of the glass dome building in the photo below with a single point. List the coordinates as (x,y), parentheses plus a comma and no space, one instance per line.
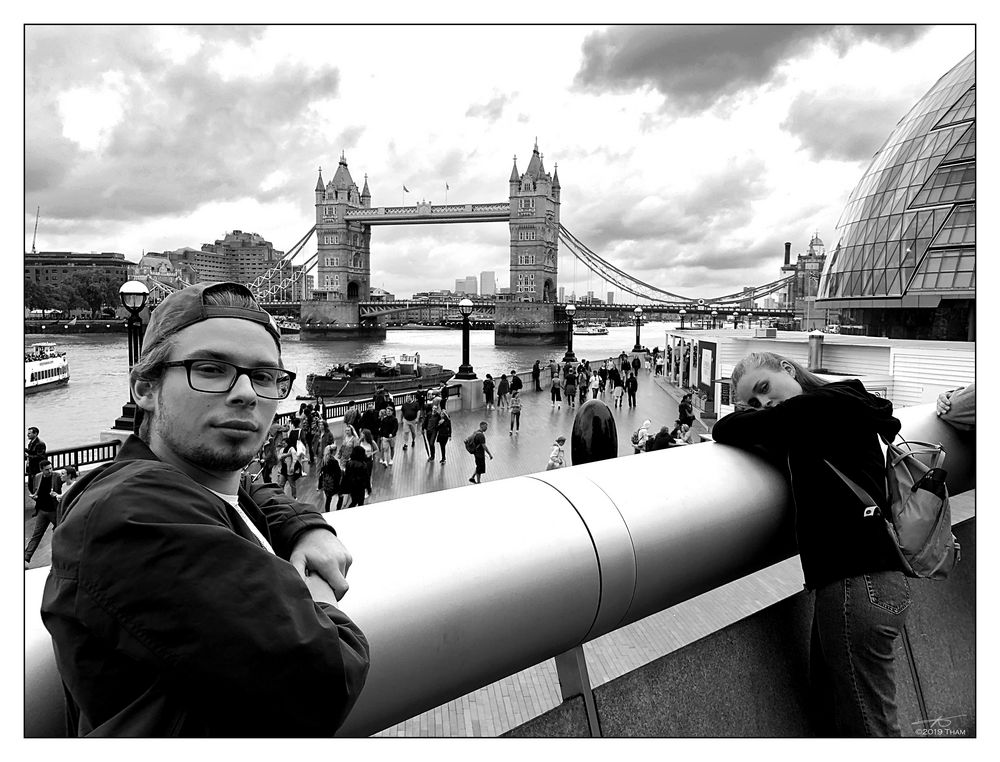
(905,262)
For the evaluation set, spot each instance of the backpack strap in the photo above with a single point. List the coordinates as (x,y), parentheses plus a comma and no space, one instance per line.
(871,507)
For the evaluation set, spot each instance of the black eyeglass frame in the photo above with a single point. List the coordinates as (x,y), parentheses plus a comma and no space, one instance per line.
(240,371)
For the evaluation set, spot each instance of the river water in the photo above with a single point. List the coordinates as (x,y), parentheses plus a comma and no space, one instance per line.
(74,414)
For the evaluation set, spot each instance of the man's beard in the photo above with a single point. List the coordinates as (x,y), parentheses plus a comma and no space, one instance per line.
(232,457)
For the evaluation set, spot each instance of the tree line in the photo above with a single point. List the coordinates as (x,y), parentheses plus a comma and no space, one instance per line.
(88,290)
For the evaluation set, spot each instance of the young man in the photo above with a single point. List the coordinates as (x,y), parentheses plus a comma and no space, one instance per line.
(480,453)
(184,599)
(46,487)
(410,413)
(34,453)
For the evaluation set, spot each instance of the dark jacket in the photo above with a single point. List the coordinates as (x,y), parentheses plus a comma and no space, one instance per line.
(155,578)
(661,441)
(357,477)
(388,426)
(329,476)
(631,384)
(444,429)
(503,387)
(516,383)
(840,423)
(410,410)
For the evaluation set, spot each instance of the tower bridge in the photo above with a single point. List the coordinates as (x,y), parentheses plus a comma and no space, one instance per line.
(341,307)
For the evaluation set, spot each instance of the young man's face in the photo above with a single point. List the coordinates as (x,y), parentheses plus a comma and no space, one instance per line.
(32,433)
(214,432)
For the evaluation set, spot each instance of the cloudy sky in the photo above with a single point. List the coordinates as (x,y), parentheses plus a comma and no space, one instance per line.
(687,154)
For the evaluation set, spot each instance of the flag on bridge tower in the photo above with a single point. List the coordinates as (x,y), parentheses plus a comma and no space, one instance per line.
(405,189)
(447,187)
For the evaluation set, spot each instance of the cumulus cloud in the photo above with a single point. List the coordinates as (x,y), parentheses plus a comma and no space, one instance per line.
(186,135)
(491,110)
(844,127)
(696,67)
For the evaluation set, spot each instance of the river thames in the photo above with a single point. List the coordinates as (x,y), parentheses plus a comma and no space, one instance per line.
(74,414)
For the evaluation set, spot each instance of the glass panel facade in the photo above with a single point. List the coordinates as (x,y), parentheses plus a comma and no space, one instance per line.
(915,202)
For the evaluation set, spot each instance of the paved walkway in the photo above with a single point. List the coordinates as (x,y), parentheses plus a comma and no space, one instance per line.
(505,704)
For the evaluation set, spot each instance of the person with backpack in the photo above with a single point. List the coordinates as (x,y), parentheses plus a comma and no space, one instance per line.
(557,383)
(515,412)
(809,427)
(443,433)
(475,444)
(571,389)
(294,461)
(618,387)
(641,436)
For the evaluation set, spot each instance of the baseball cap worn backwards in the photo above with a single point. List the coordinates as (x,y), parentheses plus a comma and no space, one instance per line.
(188,306)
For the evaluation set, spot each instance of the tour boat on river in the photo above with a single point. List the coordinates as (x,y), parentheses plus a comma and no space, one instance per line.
(44,367)
(590,329)
(360,379)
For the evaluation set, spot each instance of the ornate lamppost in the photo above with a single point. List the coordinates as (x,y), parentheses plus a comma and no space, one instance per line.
(682,313)
(465,369)
(749,318)
(638,318)
(133,295)
(570,312)
(736,319)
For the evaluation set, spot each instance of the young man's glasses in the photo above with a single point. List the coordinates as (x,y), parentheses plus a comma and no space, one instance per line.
(218,377)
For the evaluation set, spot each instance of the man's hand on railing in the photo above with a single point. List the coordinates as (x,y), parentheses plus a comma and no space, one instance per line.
(322,553)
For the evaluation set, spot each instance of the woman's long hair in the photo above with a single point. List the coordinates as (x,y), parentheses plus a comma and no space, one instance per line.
(806,379)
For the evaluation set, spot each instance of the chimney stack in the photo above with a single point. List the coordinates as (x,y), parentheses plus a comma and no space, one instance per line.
(788,252)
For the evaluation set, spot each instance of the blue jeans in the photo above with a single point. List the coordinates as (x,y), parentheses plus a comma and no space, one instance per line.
(855,625)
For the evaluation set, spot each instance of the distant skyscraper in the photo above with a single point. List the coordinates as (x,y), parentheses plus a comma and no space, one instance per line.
(562,294)
(611,297)
(487,283)
(466,285)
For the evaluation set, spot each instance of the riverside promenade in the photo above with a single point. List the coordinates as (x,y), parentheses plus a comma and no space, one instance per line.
(501,706)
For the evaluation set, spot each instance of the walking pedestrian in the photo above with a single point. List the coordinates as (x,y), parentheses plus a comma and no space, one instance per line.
(636,365)
(410,413)
(269,452)
(503,388)
(357,480)
(350,440)
(602,374)
(488,387)
(480,451)
(370,446)
(387,428)
(34,454)
(595,384)
(444,433)
(308,431)
(631,386)
(557,458)
(444,395)
(46,487)
(556,391)
(619,389)
(860,595)
(515,412)
(352,417)
(536,375)
(553,369)
(330,476)
(432,417)
(571,389)
(294,461)
(515,382)
(324,437)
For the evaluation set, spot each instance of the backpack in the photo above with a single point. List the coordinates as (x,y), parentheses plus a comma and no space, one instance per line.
(470,443)
(920,512)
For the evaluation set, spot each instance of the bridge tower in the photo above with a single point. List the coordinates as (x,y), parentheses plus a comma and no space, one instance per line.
(343,247)
(534,231)
(343,267)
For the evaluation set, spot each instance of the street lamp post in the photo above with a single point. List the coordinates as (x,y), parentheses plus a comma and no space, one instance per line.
(570,312)
(133,295)
(682,313)
(465,369)
(735,318)
(638,318)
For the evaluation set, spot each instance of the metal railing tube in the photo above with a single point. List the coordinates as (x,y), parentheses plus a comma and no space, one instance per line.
(456,589)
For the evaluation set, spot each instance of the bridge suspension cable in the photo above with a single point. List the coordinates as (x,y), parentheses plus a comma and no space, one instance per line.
(283,277)
(633,285)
